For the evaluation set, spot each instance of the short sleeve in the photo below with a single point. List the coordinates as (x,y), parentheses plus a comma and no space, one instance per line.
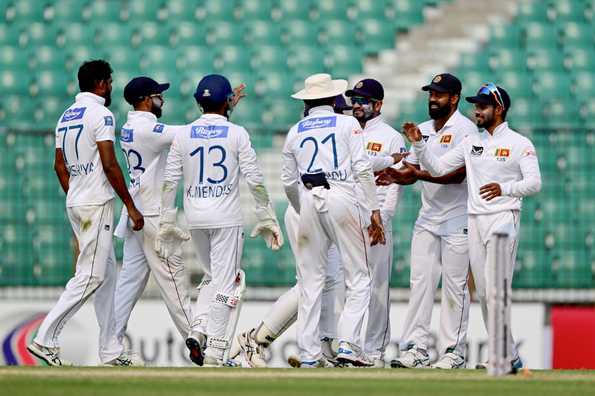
(105,127)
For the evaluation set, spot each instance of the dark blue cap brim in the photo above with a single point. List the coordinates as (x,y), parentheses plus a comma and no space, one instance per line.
(360,92)
(437,88)
(482,99)
(162,87)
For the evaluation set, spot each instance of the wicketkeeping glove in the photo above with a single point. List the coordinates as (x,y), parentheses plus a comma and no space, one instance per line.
(170,237)
(268,227)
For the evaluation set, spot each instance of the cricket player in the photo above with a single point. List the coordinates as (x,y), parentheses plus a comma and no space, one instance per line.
(325,152)
(87,169)
(380,140)
(283,313)
(502,168)
(145,143)
(439,243)
(210,154)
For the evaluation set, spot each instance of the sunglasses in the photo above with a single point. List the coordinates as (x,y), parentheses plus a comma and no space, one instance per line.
(492,89)
(159,96)
(360,100)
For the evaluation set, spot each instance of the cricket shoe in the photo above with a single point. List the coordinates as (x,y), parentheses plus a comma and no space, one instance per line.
(251,351)
(319,363)
(412,358)
(195,342)
(349,355)
(49,355)
(213,362)
(448,361)
(328,347)
(126,359)
(515,365)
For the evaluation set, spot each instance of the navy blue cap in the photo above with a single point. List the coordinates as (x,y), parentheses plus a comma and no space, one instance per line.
(444,82)
(340,104)
(213,89)
(368,88)
(140,87)
(485,96)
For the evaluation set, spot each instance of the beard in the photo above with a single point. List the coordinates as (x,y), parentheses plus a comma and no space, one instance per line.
(156,110)
(439,112)
(108,99)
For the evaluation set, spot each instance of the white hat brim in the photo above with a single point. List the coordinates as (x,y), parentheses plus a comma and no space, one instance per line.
(339,87)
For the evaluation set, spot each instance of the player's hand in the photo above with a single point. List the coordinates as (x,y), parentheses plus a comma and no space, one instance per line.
(270,232)
(490,191)
(403,176)
(412,132)
(136,217)
(238,94)
(376,229)
(398,157)
(169,239)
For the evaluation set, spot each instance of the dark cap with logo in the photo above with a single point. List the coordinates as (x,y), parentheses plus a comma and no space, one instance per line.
(140,87)
(444,82)
(491,94)
(368,88)
(213,89)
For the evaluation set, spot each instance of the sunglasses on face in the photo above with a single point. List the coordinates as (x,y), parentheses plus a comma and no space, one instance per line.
(492,89)
(360,100)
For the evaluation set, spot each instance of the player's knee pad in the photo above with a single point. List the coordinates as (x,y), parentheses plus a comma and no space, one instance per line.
(231,300)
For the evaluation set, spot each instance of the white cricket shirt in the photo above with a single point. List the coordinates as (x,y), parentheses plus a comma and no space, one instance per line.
(506,158)
(86,122)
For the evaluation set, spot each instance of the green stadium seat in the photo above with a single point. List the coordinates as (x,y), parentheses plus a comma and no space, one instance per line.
(244,114)
(407,13)
(255,10)
(579,59)
(573,34)
(479,61)
(268,57)
(567,10)
(105,11)
(188,33)
(75,57)
(63,11)
(136,11)
(502,58)
(115,33)
(529,11)
(232,58)
(276,84)
(506,35)
(343,60)
(587,112)
(516,83)
(75,34)
(545,59)
(551,84)
(294,9)
(50,82)
(13,82)
(326,9)
(338,32)
(305,61)
(281,115)
(371,9)
(25,10)
(158,57)
(376,36)
(263,32)
(246,76)
(154,33)
(195,58)
(224,33)
(41,34)
(220,11)
(540,35)
(47,57)
(12,58)
(300,32)
(182,10)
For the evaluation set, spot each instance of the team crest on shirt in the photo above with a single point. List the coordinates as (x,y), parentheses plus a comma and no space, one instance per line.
(372,146)
(208,131)
(445,140)
(126,135)
(502,153)
(158,128)
(108,120)
(476,150)
(73,114)
(425,137)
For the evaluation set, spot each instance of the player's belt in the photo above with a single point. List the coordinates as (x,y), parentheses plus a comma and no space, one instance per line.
(312,180)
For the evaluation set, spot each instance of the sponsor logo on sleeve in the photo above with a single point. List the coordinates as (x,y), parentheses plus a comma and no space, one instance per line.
(73,114)
(529,152)
(108,120)
(476,150)
(208,131)
(317,123)
(126,135)
(158,128)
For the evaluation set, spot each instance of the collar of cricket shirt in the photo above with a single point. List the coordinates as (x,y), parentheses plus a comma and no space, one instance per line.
(452,120)
(371,123)
(321,109)
(89,97)
(142,114)
(500,129)
(213,116)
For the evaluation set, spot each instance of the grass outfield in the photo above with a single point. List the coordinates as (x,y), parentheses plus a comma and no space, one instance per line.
(48,381)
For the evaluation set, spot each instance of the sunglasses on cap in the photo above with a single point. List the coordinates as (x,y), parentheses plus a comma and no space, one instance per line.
(360,100)
(491,89)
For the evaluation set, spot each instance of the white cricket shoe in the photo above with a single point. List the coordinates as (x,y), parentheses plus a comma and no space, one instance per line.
(320,363)
(126,359)
(329,347)
(351,355)
(412,358)
(49,355)
(449,361)
(251,351)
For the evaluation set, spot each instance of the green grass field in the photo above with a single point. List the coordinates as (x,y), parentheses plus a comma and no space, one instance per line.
(47,381)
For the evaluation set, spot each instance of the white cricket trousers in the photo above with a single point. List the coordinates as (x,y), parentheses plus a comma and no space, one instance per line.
(326,217)
(140,259)
(481,229)
(431,256)
(380,258)
(95,273)
(220,252)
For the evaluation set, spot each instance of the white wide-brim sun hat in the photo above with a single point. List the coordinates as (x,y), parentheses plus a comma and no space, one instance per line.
(319,86)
